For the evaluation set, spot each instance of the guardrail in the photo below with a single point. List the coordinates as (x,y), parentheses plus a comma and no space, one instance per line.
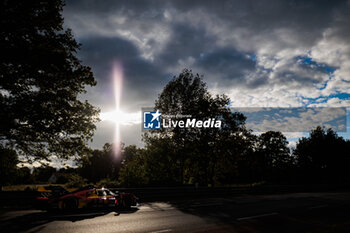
(166,193)
(26,199)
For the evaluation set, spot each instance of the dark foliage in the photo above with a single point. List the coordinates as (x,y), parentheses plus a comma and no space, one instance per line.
(323,157)
(99,164)
(8,166)
(40,80)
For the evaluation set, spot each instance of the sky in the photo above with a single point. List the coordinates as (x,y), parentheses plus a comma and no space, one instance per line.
(259,53)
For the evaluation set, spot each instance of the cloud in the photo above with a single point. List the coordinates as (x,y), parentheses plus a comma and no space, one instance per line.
(267,53)
(142,79)
(294,119)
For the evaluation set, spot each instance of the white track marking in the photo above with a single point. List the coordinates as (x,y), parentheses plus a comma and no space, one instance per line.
(256,216)
(160,231)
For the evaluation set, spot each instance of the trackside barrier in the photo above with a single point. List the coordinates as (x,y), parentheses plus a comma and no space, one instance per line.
(26,199)
(166,193)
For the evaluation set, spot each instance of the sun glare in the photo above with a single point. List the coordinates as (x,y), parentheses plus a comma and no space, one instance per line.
(118,117)
(115,116)
(121,117)
(117,83)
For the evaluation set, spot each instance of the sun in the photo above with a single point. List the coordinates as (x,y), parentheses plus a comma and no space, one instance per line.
(121,118)
(116,116)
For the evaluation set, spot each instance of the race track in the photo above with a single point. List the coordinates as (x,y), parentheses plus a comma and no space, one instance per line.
(301,212)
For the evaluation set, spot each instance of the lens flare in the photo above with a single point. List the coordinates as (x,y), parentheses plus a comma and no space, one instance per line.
(121,117)
(117,116)
(117,82)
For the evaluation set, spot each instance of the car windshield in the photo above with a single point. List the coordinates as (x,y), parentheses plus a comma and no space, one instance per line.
(109,192)
(101,193)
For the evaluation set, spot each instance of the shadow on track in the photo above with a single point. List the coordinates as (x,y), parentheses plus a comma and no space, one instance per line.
(273,213)
(25,221)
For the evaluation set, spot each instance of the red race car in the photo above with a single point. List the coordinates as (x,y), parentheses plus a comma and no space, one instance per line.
(56,197)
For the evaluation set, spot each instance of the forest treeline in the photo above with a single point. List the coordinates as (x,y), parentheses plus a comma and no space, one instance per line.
(229,155)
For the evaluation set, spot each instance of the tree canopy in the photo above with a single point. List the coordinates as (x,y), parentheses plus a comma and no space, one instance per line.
(40,82)
(98,164)
(194,151)
(8,166)
(323,156)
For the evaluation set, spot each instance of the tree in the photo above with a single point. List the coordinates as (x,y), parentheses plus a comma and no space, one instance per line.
(197,149)
(99,164)
(8,166)
(273,155)
(64,174)
(24,176)
(323,157)
(43,173)
(40,80)
(162,165)
(237,161)
(133,170)
(76,181)
(274,148)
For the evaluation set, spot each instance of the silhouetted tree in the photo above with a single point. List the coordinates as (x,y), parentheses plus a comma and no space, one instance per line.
(133,170)
(323,157)
(8,166)
(24,176)
(274,148)
(43,173)
(237,161)
(64,174)
(76,181)
(40,80)
(99,164)
(273,155)
(196,149)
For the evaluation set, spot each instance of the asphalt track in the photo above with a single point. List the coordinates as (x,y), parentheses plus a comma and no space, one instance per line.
(300,212)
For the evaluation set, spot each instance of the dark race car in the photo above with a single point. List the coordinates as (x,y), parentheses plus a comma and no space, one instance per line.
(123,199)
